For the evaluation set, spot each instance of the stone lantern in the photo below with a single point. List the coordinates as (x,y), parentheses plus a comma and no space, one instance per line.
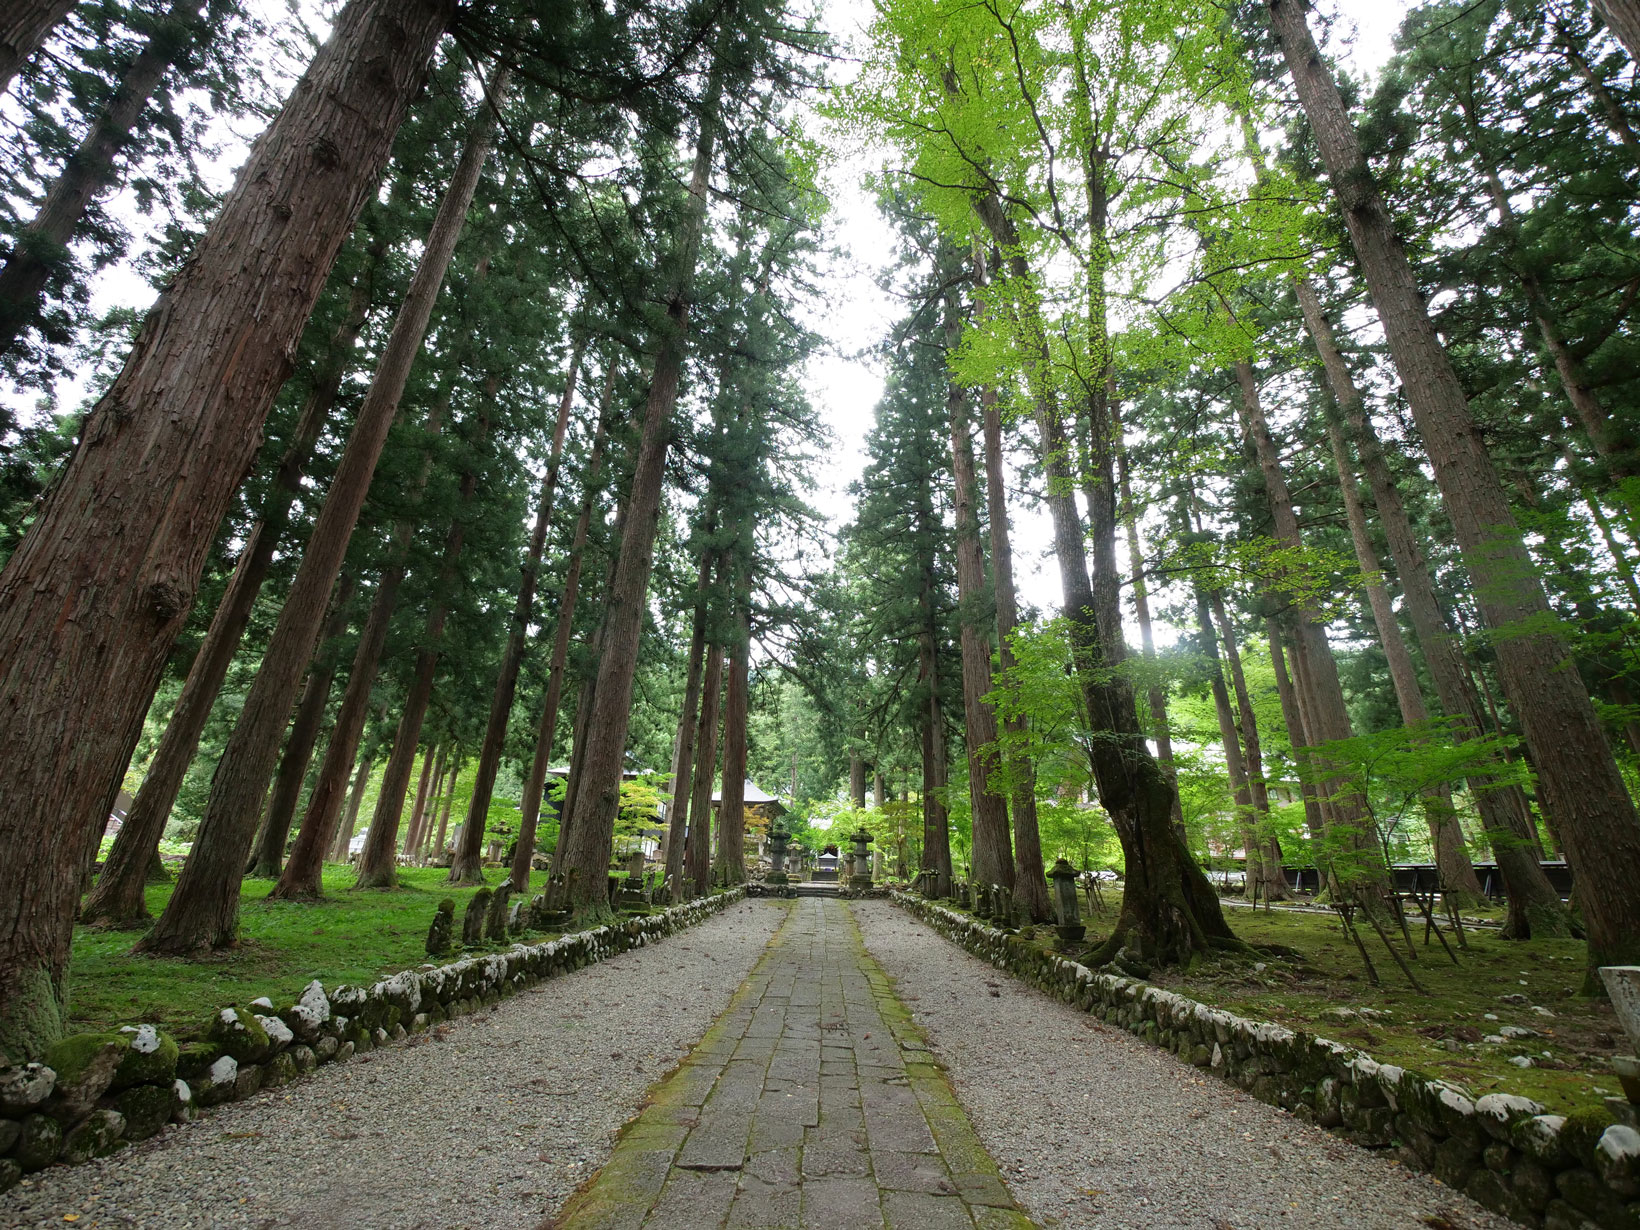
(777,854)
(861,877)
(1070,926)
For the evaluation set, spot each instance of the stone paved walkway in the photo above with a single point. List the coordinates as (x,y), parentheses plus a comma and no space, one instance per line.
(812,1102)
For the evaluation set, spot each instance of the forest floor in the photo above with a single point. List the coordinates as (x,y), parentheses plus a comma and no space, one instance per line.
(1523,996)
(283,945)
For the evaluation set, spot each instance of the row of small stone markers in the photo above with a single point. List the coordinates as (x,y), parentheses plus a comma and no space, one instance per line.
(1559,1172)
(100,1092)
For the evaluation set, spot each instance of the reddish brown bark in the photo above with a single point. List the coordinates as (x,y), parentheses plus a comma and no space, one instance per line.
(418,813)
(731,821)
(1030,878)
(269,851)
(683,757)
(993,857)
(42,246)
(546,728)
(1622,17)
(1594,814)
(24,27)
(355,799)
(698,851)
(1534,905)
(118,898)
(1292,717)
(303,876)
(204,910)
(454,774)
(95,593)
(468,865)
(585,844)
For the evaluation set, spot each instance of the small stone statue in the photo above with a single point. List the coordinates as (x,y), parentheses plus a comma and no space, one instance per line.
(495,918)
(472,922)
(438,935)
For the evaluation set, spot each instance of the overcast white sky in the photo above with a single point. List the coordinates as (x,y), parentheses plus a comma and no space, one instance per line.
(856,315)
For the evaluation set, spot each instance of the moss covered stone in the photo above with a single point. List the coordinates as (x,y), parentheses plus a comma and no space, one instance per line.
(195,1058)
(280,1070)
(151,1059)
(97,1136)
(239,1034)
(146,1108)
(10,1173)
(85,1065)
(1582,1132)
(39,1142)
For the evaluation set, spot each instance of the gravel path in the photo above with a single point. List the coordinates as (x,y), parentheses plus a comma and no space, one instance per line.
(492,1123)
(1094,1128)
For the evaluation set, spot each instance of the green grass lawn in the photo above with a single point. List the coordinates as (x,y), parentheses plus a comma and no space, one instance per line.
(1496,983)
(351,936)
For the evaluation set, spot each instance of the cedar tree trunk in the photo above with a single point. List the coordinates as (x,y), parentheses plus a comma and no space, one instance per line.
(24,26)
(698,853)
(204,911)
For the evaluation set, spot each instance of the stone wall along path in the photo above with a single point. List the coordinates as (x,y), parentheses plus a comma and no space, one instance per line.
(813,1102)
(1096,1129)
(489,1120)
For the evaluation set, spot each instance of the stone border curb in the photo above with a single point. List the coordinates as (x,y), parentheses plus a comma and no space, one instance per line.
(99,1093)
(1577,1172)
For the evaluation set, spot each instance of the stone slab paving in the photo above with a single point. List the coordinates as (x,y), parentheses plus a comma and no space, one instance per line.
(812,1102)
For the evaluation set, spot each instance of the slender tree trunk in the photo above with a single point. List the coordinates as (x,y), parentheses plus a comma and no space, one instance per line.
(454,774)
(1273,884)
(269,852)
(355,799)
(421,824)
(1593,811)
(96,592)
(936,845)
(24,27)
(42,246)
(698,854)
(1357,854)
(1230,739)
(535,784)
(469,859)
(204,910)
(303,876)
(418,813)
(590,825)
(1617,118)
(1157,692)
(857,781)
(1030,878)
(118,898)
(683,759)
(1534,905)
(1457,873)
(1292,716)
(993,858)
(732,807)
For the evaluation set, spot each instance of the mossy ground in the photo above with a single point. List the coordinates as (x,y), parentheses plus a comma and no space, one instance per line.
(1571,1050)
(348,937)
